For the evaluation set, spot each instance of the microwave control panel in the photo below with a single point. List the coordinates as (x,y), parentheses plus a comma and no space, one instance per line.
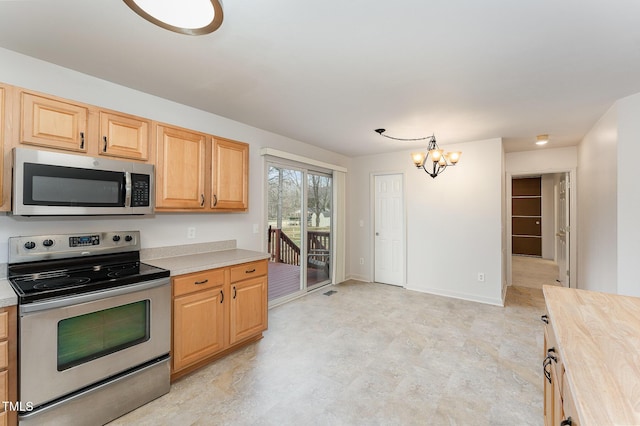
(140,187)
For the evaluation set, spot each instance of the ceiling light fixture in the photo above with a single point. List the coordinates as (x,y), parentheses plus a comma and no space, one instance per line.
(191,17)
(542,139)
(434,157)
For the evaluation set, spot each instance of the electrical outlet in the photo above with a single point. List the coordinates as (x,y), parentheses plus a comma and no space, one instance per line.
(481,277)
(191,232)
(362,260)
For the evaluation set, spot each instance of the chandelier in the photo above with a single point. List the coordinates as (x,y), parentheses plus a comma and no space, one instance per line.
(434,160)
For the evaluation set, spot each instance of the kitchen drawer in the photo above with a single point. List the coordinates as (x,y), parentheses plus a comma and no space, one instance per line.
(248,270)
(186,284)
(4,325)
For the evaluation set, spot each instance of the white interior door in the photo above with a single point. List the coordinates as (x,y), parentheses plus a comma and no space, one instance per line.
(562,233)
(389,229)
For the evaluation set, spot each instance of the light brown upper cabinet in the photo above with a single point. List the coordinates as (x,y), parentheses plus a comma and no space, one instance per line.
(53,123)
(180,169)
(5,181)
(124,136)
(195,172)
(230,177)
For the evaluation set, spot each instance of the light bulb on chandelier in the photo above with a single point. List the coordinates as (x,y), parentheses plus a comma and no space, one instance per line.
(433,160)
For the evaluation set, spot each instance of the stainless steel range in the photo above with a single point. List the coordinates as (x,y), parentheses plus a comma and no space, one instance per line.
(94,326)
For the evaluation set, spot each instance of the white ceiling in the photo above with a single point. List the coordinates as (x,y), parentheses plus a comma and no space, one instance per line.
(330,72)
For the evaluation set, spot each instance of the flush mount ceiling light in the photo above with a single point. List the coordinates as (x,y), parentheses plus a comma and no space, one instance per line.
(542,139)
(191,17)
(434,157)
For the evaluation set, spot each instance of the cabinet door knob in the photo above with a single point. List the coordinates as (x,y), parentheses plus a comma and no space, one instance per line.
(234,292)
(81,140)
(104,148)
(545,319)
(567,422)
(221,296)
(201,200)
(215,200)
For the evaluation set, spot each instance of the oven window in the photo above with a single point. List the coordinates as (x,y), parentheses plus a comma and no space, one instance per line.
(90,336)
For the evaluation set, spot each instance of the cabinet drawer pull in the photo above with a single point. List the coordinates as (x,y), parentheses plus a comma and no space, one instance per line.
(567,422)
(81,140)
(547,373)
(104,148)
(545,319)
(250,271)
(221,296)
(201,282)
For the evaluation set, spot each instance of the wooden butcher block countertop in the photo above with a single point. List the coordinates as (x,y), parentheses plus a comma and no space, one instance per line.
(598,336)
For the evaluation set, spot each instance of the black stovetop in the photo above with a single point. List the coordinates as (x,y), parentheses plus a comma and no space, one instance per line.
(58,278)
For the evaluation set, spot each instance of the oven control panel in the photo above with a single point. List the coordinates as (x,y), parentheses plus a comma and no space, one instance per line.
(60,246)
(84,240)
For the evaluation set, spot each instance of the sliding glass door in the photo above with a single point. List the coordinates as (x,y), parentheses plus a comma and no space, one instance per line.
(299,230)
(319,194)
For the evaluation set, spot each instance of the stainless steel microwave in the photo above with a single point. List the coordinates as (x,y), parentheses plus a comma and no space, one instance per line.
(49,183)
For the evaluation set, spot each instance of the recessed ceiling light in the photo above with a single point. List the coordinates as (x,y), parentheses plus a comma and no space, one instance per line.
(542,139)
(192,17)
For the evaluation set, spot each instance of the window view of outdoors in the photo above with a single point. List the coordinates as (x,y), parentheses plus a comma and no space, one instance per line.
(286,190)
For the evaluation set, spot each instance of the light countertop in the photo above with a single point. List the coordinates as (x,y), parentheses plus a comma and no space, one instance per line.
(598,335)
(7,295)
(199,257)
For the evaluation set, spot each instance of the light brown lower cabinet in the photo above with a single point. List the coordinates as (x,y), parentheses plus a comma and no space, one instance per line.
(213,316)
(559,408)
(8,365)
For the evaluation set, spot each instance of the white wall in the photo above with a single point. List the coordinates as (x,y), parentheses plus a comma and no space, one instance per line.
(161,229)
(597,200)
(628,214)
(454,222)
(542,161)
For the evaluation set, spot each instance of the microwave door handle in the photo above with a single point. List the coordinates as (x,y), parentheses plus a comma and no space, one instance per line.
(127,189)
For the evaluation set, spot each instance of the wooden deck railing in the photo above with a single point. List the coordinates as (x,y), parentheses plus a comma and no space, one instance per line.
(284,250)
(317,240)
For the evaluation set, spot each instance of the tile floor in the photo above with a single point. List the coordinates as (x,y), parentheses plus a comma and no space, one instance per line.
(372,354)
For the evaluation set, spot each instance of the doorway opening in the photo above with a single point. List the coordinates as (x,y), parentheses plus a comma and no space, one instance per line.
(299,226)
(541,243)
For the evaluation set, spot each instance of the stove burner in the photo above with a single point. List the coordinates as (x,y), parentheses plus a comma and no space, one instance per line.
(51,283)
(123,270)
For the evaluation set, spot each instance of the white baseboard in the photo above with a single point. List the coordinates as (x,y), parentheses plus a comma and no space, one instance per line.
(357,277)
(456,295)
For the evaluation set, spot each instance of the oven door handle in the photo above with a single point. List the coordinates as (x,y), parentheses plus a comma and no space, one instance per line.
(90,297)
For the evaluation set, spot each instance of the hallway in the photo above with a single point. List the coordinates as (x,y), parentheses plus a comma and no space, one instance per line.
(533,272)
